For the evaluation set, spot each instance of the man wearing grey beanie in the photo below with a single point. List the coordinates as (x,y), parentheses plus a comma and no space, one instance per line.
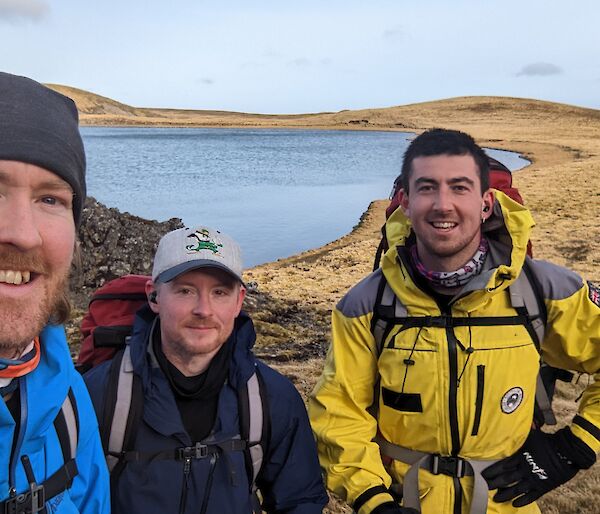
(49,444)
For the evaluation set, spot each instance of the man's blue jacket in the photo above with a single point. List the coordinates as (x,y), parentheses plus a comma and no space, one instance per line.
(42,392)
(290,480)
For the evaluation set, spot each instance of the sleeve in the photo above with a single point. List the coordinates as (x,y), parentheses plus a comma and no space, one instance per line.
(290,481)
(90,490)
(339,414)
(572,341)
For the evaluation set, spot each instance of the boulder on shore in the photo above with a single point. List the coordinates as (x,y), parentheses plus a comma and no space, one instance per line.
(113,243)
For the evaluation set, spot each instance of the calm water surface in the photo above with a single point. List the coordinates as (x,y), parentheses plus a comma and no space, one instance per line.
(277,192)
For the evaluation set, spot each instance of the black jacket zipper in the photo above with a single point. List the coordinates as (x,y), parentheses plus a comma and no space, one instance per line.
(453,404)
(187,468)
(453,387)
(479,398)
(209,481)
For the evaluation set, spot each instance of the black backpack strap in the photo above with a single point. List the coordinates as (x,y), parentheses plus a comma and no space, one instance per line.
(200,450)
(114,336)
(382,247)
(122,411)
(118,296)
(66,424)
(528,300)
(378,254)
(387,310)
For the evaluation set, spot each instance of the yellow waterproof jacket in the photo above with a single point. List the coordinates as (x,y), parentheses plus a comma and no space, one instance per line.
(465,391)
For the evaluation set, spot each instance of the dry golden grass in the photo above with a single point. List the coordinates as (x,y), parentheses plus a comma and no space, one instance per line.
(561,187)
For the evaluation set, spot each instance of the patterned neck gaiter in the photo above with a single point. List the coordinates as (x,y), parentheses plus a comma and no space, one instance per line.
(451,279)
(13,368)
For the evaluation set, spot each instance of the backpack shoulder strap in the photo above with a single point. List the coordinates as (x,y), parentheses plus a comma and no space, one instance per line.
(379,252)
(66,425)
(527,298)
(387,308)
(255,425)
(382,247)
(122,412)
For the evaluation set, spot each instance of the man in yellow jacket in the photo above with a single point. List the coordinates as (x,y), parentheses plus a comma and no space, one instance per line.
(443,408)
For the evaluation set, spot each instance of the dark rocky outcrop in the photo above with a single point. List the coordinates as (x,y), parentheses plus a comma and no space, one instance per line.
(113,243)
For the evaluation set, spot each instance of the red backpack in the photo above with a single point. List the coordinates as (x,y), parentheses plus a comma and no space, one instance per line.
(500,179)
(109,320)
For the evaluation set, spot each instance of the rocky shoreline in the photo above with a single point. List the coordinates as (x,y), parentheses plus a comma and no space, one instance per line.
(111,244)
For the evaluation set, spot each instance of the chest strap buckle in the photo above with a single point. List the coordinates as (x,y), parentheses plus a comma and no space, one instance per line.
(451,466)
(27,503)
(198,451)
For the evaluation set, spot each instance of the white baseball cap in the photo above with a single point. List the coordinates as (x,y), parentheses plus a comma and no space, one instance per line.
(186,249)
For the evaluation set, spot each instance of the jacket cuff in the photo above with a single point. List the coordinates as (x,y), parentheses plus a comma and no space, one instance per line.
(370,500)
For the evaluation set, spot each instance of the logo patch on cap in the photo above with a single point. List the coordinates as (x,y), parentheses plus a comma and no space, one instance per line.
(594,293)
(203,241)
(511,400)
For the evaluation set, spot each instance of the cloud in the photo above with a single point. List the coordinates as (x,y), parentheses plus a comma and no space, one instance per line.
(299,61)
(539,69)
(23,10)
(393,32)
(207,81)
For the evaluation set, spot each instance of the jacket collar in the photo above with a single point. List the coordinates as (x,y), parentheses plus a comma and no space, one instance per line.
(45,387)
(242,339)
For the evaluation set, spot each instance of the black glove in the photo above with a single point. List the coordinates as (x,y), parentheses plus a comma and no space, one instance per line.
(543,463)
(394,508)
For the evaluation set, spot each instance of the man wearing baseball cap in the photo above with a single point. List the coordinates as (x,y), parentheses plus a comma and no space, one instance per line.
(50,453)
(221,432)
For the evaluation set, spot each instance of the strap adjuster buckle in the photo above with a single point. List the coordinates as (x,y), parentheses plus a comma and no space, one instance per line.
(198,451)
(31,502)
(451,466)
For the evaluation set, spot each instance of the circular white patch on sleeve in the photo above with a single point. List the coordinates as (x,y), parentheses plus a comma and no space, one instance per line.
(511,400)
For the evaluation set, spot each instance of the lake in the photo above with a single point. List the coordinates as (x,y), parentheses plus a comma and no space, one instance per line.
(276,191)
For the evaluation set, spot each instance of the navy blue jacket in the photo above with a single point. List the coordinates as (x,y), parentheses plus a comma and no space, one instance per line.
(290,480)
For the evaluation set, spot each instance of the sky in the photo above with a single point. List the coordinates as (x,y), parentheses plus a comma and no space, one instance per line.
(288,56)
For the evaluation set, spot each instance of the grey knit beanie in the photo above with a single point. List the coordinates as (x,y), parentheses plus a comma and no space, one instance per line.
(40,126)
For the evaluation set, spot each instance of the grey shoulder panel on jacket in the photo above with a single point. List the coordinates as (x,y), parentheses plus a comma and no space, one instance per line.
(557,282)
(360,299)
